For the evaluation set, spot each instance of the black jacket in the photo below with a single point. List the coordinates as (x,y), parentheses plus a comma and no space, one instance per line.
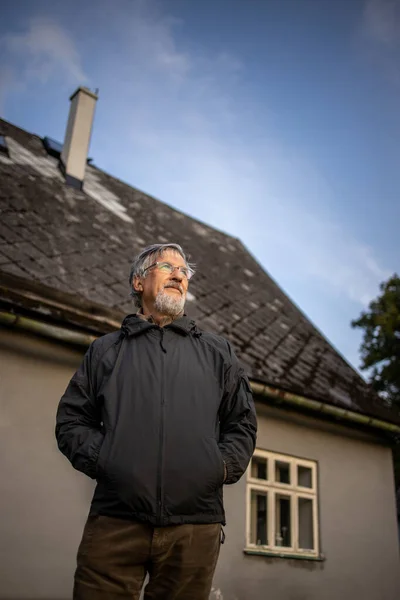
(152,414)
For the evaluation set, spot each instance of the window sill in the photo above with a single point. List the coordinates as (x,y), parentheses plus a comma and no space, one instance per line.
(270,554)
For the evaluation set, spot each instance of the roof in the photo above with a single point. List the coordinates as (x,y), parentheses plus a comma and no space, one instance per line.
(81,243)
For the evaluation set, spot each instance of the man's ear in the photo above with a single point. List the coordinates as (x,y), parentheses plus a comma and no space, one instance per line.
(137,284)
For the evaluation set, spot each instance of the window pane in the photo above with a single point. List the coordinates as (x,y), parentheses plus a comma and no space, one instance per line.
(306,524)
(283,525)
(282,471)
(259,467)
(259,518)
(304,476)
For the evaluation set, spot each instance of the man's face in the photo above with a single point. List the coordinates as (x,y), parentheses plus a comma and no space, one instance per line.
(161,291)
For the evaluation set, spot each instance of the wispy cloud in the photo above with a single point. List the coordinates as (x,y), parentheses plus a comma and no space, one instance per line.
(322,250)
(153,42)
(42,53)
(381,21)
(380,26)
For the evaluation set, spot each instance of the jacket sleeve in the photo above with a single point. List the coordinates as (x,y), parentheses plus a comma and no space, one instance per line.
(78,421)
(238,423)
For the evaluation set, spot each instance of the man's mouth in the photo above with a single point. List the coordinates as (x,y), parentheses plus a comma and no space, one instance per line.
(178,288)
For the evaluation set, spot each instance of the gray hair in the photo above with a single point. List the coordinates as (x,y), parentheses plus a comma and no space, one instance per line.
(143,260)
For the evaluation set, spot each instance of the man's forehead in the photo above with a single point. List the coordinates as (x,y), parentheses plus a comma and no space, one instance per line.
(170,253)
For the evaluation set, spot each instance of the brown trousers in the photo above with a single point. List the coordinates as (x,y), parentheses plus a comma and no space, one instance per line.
(115,555)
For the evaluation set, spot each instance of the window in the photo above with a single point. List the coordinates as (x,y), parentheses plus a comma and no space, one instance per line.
(282,509)
(53,147)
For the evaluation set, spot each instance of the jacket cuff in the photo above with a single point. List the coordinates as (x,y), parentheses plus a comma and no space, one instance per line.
(229,469)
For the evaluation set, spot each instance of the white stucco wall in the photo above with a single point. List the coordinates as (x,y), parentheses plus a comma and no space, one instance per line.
(43,501)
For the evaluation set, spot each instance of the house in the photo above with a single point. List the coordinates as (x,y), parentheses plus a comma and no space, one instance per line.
(314,518)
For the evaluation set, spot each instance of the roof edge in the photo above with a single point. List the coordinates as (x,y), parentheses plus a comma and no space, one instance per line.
(57,306)
(304,315)
(62,334)
(317,406)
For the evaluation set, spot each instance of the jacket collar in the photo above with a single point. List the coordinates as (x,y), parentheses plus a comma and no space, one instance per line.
(135,325)
(184,325)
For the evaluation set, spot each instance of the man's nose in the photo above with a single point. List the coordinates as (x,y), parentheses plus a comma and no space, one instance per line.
(177,274)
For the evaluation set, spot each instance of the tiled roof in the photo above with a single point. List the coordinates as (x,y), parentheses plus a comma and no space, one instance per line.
(82,242)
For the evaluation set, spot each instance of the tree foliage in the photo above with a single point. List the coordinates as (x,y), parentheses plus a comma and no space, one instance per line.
(380,349)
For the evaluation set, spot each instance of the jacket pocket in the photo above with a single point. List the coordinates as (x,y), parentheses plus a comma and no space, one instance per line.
(220,467)
(193,477)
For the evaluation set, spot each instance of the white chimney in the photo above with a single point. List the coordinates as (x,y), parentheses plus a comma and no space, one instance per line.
(77,136)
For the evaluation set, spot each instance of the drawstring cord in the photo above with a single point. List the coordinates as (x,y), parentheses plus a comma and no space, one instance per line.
(194,331)
(161,341)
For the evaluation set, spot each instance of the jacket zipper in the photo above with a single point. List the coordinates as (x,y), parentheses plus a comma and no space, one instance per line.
(160,506)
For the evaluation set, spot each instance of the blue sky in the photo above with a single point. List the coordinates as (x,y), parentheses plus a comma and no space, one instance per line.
(276,121)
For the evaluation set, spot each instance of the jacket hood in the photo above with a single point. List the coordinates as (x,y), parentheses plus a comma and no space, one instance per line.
(134,325)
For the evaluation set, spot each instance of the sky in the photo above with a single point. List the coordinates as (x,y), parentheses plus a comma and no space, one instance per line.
(276,121)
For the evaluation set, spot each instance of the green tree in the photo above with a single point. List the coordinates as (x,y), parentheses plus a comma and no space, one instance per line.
(380,348)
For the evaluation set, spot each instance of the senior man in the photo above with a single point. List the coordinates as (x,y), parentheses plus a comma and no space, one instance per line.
(161,414)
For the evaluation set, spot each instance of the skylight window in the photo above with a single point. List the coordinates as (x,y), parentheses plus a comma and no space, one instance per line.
(53,147)
(3,145)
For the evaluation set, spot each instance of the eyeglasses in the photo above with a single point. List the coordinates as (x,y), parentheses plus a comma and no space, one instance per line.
(166,267)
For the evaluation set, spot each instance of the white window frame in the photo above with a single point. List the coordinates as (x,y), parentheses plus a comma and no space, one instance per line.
(292,489)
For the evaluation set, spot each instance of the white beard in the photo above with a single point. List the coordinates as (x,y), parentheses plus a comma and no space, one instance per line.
(169,306)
